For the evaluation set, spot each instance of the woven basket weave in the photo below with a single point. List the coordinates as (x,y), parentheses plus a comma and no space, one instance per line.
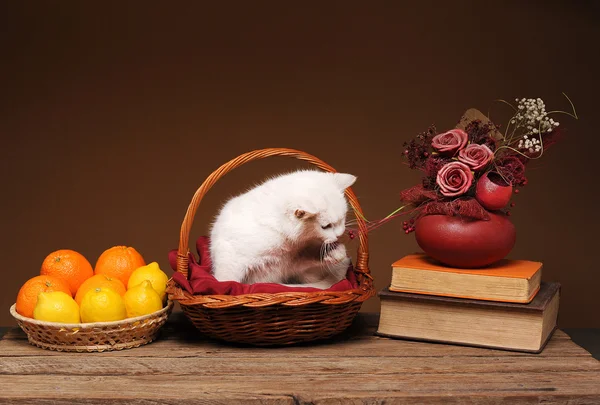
(93,337)
(278,318)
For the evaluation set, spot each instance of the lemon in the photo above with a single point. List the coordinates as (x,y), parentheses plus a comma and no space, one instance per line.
(154,274)
(142,300)
(102,305)
(56,306)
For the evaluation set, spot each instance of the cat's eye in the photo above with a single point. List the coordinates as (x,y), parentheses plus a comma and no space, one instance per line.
(326,226)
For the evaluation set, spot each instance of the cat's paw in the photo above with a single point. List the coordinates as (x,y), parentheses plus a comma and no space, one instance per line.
(336,255)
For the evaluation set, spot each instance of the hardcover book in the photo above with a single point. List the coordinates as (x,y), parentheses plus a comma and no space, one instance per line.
(500,325)
(507,280)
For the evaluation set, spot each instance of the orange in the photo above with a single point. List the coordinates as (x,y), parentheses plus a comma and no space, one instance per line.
(68,265)
(119,262)
(99,281)
(28,294)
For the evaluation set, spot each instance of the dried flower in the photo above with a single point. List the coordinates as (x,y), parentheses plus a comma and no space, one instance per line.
(532,115)
(432,167)
(531,145)
(530,124)
(482,134)
(512,169)
(417,151)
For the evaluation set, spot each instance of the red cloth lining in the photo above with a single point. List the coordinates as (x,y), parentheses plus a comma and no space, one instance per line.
(200,280)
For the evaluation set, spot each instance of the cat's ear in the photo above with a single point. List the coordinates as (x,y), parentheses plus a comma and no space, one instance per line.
(344,180)
(302,214)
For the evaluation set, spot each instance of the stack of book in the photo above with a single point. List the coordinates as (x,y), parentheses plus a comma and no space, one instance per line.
(504,306)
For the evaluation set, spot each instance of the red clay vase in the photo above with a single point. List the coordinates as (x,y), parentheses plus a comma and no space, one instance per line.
(492,192)
(465,243)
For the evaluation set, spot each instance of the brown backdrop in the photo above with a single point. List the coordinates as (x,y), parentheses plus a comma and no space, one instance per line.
(111,116)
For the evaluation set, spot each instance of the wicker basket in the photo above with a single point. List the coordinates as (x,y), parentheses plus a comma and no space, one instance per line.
(278,318)
(93,337)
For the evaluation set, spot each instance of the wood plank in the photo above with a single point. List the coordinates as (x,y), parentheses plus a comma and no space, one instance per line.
(174,344)
(368,347)
(184,367)
(206,399)
(485,398)
(178,328)
(528,387)
(201,367)
(327,399)
(455,399)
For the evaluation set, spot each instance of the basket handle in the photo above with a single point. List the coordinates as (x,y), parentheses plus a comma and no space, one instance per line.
(362,260)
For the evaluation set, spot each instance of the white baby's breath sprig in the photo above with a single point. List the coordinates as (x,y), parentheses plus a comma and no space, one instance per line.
(529,124)
(531,114)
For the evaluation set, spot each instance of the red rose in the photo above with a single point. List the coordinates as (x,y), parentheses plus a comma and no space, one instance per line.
(476,156)
(450,142)
(454,179)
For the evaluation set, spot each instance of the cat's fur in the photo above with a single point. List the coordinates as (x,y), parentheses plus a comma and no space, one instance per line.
(284,230)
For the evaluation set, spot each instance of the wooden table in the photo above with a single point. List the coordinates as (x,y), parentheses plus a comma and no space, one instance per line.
(357,367)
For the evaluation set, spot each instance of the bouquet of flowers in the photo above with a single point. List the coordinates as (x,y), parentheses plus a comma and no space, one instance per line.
(474,170)
(460,208)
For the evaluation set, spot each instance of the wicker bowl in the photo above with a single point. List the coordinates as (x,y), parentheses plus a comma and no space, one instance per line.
(93,337)
(277,318)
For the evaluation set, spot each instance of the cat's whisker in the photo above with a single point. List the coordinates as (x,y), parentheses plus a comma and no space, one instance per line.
(328,264)
(325,254)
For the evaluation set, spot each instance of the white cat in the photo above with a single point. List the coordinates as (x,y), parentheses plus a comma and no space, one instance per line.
(285,230)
